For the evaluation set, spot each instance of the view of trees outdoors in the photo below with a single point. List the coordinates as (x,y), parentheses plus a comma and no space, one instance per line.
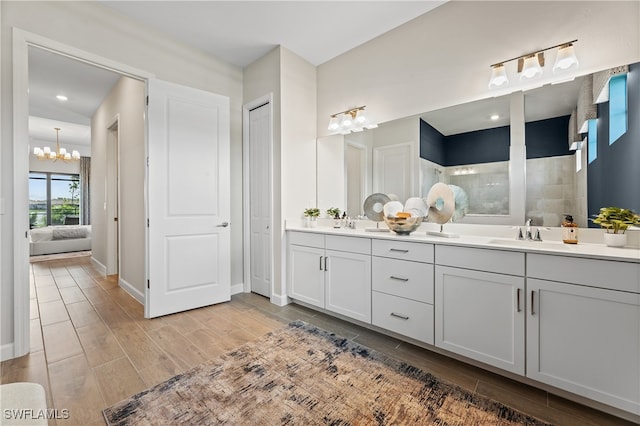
(54,199)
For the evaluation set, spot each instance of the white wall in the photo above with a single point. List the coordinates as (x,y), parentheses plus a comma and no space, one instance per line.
(442,58)
(91,27)
(291,80)
(127,101)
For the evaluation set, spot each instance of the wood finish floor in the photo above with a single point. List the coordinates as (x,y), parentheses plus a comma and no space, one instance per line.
(91,346)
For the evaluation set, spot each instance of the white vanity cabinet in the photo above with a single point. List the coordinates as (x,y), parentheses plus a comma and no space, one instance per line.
(480,305)
(347,268)
(402,286)
(583,327)
(331,272)
(305,271)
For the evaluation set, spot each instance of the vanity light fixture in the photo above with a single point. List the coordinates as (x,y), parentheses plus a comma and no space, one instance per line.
(530,65)
(59,154)
(566,58)
(351,120)
(498,76)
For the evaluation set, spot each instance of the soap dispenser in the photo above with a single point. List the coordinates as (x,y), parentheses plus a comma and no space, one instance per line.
(569,230)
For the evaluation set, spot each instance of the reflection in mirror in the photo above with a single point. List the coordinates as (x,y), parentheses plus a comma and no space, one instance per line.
(554,187)
(468,146)
(551,170)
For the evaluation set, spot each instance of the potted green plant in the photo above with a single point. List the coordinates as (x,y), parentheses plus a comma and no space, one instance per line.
(333,212)
(615,221)
(311,214)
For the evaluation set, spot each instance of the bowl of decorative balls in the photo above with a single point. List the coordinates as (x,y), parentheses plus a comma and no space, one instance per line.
(403,223)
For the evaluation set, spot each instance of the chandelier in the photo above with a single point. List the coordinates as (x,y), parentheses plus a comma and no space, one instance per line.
(59,154)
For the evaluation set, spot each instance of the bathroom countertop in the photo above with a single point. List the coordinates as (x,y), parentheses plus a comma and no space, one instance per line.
(585,250)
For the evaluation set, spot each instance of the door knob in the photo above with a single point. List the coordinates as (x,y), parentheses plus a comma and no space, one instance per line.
(223,225)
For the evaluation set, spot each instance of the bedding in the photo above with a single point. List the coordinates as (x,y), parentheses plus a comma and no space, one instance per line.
(59,239)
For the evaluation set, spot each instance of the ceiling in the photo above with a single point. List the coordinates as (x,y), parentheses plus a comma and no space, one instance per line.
(238,32)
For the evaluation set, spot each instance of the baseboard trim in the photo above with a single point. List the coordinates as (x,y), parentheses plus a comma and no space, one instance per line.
(101,268)
(280,299)
(132,291)
(6,352)
(237,288)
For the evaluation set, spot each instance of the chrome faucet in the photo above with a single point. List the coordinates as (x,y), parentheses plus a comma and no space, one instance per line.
(528,235)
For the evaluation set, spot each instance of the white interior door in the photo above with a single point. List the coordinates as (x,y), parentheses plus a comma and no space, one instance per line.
(260,198)
(188,202)
(393,170)
(113,199)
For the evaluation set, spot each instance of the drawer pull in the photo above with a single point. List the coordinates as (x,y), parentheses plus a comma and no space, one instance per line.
(404,317)
(392,277)
(399,250)
(533,312)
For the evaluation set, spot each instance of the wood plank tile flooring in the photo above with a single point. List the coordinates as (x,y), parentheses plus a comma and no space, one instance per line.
(92,347)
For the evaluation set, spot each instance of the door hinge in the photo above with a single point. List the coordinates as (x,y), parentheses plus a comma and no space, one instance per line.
(26,234)
(147,161)
(148,286)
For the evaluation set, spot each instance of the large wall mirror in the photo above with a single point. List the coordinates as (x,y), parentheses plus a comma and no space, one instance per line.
(472,146)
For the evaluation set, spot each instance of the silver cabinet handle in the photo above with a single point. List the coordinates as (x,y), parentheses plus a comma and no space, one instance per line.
(325,263)
(392,277)
(404,317)
(321,262)
(533,312)
(223,225)
(518,301)
(399,250)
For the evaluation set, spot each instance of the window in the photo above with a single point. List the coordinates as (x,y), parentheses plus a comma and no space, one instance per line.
(592,141)
(54,199)
(617,107)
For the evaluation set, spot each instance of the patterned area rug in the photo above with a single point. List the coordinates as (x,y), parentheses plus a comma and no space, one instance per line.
(302,375)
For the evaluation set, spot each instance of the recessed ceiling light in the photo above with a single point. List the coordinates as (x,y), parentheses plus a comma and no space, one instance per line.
(61,97)
(494,117)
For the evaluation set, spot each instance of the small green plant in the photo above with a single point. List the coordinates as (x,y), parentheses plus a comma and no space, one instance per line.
(312,212)
(333,212)
(616,220)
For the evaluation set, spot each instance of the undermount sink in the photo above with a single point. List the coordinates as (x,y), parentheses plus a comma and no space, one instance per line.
(529,243)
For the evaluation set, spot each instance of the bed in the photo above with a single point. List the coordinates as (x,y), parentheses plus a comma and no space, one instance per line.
(59,239)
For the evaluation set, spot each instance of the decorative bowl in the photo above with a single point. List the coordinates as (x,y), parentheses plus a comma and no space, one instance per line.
(403,225)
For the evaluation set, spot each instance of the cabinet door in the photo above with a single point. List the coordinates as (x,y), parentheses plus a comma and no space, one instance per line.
(585,340)
(305,280)
(348,284)
(481,315)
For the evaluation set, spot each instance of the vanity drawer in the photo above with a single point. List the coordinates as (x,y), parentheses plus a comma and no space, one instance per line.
(349,244)
(403,316)
(418,252)
(411,280)
(500,261)
(308,239)
(609,274)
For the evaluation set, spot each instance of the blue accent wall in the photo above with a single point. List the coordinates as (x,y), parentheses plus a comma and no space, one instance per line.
(481,146)
(547,138)
(613,179)
(431,144)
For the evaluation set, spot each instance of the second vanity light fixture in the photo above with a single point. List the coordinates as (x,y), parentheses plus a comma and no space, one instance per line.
(530,65)
(351,120)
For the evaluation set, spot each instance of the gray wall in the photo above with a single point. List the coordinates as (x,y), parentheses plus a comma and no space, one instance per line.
(126,101)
